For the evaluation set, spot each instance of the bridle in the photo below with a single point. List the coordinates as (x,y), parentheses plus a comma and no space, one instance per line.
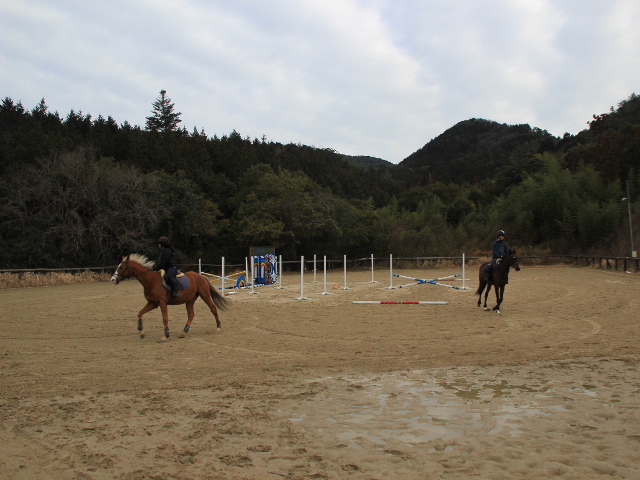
(117,277)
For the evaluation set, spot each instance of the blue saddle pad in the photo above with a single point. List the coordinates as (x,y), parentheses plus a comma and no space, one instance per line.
(183,281)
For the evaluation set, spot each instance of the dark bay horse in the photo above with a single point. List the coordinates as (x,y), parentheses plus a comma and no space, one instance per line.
(499,278)
(157,295)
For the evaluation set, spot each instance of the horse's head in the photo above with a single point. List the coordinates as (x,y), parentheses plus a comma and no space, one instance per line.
(131,266)
(513,260)
(123,271)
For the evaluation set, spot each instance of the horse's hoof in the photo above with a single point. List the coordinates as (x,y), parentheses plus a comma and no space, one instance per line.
(182,335)
(163,339)
(142,336)
(219,328)
(486,309)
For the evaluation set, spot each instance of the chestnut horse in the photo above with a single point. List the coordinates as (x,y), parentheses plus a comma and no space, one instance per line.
(499,278)
(157,295)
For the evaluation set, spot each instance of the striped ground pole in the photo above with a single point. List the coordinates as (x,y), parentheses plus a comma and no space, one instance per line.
(421,302)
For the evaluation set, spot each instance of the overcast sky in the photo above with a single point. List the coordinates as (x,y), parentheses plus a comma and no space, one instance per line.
(379,78)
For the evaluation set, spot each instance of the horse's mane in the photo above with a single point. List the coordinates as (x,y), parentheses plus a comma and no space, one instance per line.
(141,260)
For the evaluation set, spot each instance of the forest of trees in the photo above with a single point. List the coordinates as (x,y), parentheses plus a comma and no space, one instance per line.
(79,191)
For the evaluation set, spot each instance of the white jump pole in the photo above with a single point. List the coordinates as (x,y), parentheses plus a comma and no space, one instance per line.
(222,275)
(345,274)
(391,273)
(302,297)
(280,272)
(314,268)
(372,280)
(463,277)
(325,279)
(422,280)
(200,266)
(252,276)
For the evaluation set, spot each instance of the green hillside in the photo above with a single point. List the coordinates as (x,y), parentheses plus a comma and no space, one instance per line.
(472,150)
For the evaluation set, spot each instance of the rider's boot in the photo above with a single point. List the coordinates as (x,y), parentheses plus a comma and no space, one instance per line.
(173,283)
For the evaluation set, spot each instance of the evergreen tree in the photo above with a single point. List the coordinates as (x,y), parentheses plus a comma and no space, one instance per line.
(163,118)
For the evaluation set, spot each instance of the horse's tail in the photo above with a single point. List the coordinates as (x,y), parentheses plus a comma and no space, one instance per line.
(219,300)
(480,287)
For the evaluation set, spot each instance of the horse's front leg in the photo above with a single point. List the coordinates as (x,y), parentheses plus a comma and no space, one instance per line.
(165,321)
(147,308)
(499,297)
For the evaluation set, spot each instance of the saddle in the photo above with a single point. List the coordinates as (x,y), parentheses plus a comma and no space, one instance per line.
(487,273)
(183,281)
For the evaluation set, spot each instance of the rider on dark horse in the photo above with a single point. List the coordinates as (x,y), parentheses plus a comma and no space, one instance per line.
(500,250)
(167,263)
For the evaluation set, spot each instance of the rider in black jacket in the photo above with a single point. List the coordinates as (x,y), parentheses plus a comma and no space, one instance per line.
(167,263)
(499,250)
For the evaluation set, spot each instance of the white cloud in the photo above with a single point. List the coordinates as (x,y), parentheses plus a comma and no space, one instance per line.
(376,78)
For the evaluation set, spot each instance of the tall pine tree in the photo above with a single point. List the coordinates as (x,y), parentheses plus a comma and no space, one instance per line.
(163,118)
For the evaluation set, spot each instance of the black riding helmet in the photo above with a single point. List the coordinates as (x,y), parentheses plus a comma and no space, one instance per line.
(500,234)
(164,241)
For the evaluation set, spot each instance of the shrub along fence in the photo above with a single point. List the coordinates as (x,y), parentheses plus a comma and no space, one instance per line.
(627,264)
(107,269)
